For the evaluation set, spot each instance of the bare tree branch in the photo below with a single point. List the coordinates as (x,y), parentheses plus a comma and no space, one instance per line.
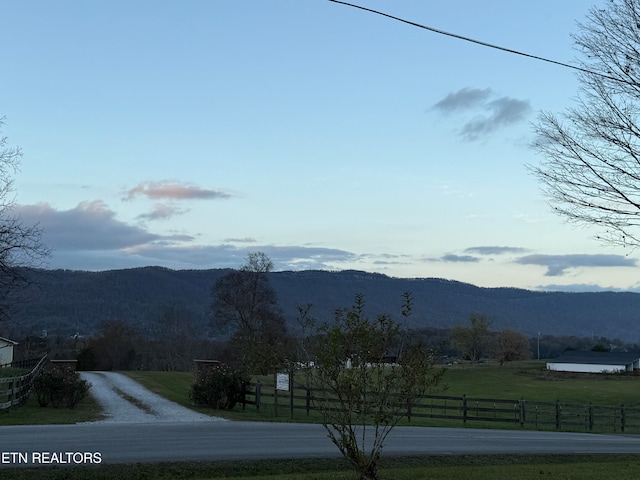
(590,167)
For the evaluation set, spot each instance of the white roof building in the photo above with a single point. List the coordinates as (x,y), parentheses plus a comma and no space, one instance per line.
(595,362)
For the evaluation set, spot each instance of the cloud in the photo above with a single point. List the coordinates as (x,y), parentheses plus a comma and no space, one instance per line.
(579,287)
(463,99)
(162,211)
(240,240)
(490,113)
(459,258)
(502,112)
(88,226)
(494,250)
(91,237)
(174,191)
(557,264)
(229,256)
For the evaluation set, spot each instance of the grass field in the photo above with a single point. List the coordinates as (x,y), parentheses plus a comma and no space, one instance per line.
(519,380)
(530,380)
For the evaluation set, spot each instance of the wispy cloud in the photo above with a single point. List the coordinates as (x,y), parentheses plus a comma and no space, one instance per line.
(459,258)
(162,211)
(229,256)
(490,112)
(557,265)
(463,100)
(494,250)
(169,190)
(579,287)
(240,240)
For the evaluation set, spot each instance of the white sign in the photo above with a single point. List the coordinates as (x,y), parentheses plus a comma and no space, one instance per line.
(282,381)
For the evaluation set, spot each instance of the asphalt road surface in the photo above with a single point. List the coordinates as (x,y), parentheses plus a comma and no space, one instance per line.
(163,441)
(171,433)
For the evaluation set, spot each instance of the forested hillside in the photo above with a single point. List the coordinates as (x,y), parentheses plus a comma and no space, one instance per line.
(67,302)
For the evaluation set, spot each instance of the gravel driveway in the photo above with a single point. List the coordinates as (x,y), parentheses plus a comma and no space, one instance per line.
(126,401)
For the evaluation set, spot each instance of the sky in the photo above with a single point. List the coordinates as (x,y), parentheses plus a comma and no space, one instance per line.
(188,134)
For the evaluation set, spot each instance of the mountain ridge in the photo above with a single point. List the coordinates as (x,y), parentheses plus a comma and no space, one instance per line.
(65,302)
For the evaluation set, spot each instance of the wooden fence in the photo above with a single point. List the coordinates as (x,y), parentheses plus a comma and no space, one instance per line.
(558,415)
(15,390)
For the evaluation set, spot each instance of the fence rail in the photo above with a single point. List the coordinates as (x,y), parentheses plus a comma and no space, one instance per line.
(15,390)
(524,413)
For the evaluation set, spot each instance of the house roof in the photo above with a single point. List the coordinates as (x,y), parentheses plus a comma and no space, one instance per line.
(6,340)
(597,358)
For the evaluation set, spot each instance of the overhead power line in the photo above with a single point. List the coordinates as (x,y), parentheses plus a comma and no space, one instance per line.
(484,44)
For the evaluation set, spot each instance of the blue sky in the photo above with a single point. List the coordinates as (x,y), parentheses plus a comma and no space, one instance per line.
(186,134)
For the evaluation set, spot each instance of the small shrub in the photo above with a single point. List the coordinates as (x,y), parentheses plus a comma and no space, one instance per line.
(60,391)
(222,390)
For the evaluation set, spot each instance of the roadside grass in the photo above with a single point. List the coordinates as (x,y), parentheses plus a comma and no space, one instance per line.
(31,413)
(470,467)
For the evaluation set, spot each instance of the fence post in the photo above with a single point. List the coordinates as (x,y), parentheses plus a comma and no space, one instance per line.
(308,400)
(275,399)
(244,395)
(291,393)
(522,413)
(558,414)
(464,409)
(258,388)
(622,418)
(12,395)
(591,417)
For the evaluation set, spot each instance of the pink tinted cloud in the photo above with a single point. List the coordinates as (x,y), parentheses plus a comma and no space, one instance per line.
(174,191)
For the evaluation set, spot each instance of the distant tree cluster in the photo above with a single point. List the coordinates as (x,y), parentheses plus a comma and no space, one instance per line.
(119,346)
(475,341)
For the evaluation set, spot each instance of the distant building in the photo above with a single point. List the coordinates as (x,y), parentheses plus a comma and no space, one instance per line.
(6,351)
(595,362)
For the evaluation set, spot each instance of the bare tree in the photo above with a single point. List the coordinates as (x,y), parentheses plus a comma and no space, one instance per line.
(590,170)
(471,341)
(20,244)
(176,339)
(511,345)
(245,302)
(362,389)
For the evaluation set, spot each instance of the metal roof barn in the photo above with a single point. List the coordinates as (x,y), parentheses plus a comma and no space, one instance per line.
(595,362)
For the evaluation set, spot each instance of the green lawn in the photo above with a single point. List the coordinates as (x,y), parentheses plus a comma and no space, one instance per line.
(475,467)
(33,414)
(530,380)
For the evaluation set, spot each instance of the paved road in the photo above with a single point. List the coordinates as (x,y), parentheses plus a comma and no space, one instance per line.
(161,441)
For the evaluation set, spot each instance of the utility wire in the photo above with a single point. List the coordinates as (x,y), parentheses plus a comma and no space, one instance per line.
(484,44)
